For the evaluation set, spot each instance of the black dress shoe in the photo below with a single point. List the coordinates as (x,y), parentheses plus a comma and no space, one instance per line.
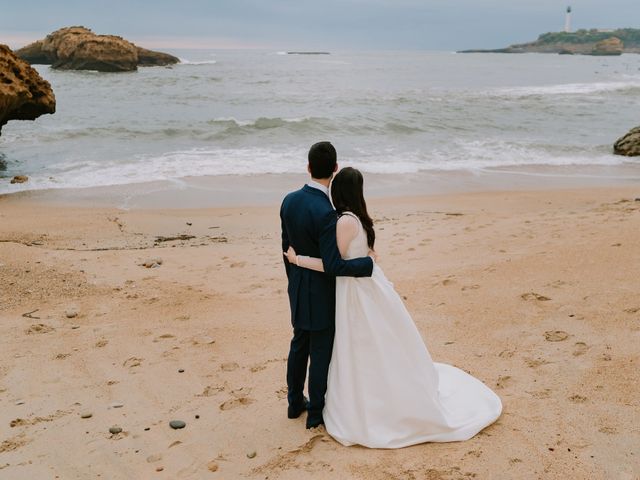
(314,422)
(294,411)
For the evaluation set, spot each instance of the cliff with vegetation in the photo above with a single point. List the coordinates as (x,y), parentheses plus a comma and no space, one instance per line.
(581,42)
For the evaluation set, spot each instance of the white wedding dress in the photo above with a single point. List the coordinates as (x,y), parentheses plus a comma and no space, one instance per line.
(384,391)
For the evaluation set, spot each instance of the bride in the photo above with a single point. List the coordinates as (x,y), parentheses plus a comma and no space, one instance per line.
(384,390)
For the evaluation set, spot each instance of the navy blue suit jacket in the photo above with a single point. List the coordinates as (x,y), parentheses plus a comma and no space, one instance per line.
(309,225)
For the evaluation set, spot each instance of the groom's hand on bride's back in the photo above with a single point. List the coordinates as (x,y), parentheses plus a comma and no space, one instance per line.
(373,255)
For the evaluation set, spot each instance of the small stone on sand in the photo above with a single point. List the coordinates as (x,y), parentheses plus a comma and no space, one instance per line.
(181,370)
(177,424)
(116,405)
(252,454)
(71,313)
(212,466)
(20,402)
(86,415)
(115,430)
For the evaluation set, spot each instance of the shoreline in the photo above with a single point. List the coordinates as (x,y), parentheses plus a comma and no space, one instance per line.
(269,189)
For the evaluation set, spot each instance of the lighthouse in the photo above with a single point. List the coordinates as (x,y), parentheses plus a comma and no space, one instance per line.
(567,20)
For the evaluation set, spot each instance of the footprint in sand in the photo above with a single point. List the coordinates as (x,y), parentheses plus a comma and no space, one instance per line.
(282,393)
(555,336)
(535,362)
(580,349)
(39,328)
(534,296)
(608,430)
(235,403)
(503,381)
(540,394)
(132,362)
(210,391)
(229,367)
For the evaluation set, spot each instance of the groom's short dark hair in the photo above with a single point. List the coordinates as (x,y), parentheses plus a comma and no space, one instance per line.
(322,160)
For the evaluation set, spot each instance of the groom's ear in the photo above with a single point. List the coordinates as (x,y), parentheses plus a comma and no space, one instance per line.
(309,169)
(335,169)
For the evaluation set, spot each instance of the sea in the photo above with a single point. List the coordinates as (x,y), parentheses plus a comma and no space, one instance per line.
(250,112)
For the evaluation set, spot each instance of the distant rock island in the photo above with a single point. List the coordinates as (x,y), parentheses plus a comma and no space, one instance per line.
(581,42)
(78,48)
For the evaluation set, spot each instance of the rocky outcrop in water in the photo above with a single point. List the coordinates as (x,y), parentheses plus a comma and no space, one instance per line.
(610,46)
(24,94)
(629,144)
(78,48)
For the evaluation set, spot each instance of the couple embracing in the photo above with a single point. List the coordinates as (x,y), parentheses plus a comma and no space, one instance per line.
(371,379)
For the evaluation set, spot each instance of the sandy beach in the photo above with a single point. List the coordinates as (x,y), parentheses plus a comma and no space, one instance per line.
(536,293)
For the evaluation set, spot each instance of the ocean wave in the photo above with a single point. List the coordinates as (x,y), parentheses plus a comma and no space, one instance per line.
(631,86)
(196,162)
(184,61)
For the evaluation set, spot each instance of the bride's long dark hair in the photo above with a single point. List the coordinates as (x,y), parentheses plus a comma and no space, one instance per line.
(348,196)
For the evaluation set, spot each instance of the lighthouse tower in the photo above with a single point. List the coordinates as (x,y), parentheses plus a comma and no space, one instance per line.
(567,20)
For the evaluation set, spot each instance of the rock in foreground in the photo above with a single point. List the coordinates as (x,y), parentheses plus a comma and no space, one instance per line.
(629,144)
(78,48)
(24,94)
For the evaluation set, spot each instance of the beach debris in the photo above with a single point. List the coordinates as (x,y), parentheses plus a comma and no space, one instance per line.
(115,430)
(20,179)
(86,415)
(189,223)
(252,454)
(212,466)
(184,236)
(116,405)
(555,336)
(177,424)
(181,370)
(30,314)
(20,402)
(159,469)
(151,263)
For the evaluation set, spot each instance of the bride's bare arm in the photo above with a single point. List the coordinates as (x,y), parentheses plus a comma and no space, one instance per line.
(346,230)
(312,263)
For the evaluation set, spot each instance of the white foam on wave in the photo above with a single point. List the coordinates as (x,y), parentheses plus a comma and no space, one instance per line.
(171,166)
(566,89)
(184,61)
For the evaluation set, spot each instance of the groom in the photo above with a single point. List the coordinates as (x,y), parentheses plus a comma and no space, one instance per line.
(309,226)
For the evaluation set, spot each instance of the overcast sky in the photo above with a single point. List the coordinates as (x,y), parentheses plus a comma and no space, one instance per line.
(313,24)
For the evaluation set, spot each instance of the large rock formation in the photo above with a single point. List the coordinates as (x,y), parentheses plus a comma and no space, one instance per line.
(24,95)
(610,46)
(78,48)
(629,144)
